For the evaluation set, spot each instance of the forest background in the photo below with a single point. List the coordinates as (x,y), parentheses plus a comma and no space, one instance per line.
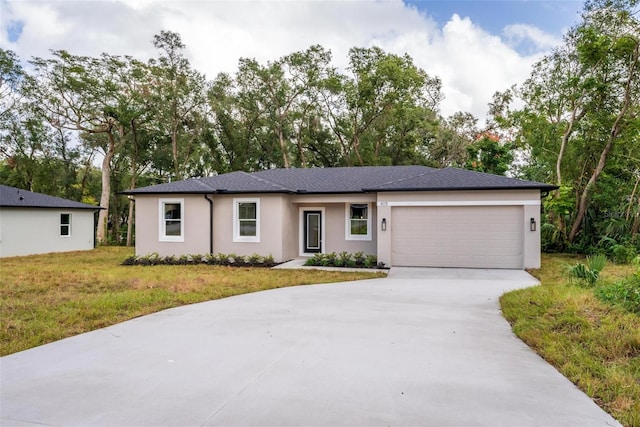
(86,128)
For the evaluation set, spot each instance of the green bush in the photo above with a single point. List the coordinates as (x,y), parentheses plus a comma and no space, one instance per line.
(371,261)
(316,260)
(622,254)
(625,293)
(330,259)
(130,260)
(588,273)
(268,261)
(254,260)
(343,259)
(239,260)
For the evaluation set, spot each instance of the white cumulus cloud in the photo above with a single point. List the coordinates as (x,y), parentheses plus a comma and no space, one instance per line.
(519,33)
(471,62)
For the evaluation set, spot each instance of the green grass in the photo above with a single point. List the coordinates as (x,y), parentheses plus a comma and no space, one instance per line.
(44,298)
(594,344)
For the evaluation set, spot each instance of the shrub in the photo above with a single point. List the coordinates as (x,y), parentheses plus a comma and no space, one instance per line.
(238,260)
(344,259)
(625,293)
(153,259)
(223,259)
(316,260)
(254,260)
(268,261)
(622,254)
(370,261)
(329,259)
(588,273)
(130,260)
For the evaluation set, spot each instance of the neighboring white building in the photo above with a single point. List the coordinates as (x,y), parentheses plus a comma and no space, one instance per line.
(33,223)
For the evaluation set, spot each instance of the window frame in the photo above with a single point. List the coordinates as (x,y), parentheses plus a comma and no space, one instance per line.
(68,225)
(162,236)
(236,220)
(347,223)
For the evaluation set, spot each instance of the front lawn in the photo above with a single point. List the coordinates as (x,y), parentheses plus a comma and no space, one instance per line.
(44,298)
(594,344)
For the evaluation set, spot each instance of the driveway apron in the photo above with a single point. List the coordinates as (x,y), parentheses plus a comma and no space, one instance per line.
(423,347)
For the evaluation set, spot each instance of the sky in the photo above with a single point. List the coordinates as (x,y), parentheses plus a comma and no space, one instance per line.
(476,47)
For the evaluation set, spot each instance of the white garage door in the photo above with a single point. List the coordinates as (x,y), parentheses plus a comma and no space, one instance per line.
(457,236)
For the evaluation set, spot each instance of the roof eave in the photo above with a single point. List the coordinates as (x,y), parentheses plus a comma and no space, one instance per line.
(156,193)
(88,208)
(409,189)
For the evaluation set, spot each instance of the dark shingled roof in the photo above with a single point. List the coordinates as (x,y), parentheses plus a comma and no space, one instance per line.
(459,179)
(17,198)
(344,180)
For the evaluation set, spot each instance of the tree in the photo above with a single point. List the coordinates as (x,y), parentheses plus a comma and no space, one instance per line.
(447,146)
(580,115)
(11,75)
(385,100)
(487,154)
(179,99)
(87,95)
(608,43)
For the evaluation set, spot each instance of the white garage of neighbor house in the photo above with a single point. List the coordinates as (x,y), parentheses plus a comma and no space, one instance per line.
(33,223)
(405,215)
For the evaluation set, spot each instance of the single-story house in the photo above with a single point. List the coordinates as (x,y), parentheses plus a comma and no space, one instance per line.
(34,223)
(405,215)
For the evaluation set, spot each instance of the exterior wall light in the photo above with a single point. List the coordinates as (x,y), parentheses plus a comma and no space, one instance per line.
(383,224)
(532,224)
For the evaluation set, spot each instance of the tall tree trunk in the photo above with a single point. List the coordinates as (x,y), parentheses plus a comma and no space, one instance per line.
(615,130)
(559,219)
(174,153)
(130,219)
(584,197)
(300,146)
(283,147)
(134,175)
(103,215)
(565,140)
(636,222)
(85,174)
(356,145)
(633,196)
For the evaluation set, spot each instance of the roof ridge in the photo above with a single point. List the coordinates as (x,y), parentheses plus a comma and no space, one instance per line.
(200,181)
(263,180)
(494,176)
(429,170)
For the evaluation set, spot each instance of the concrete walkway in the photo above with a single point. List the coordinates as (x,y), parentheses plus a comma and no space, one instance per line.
(423,347)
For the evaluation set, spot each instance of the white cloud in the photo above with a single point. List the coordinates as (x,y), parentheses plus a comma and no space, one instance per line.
(519,33)
(472,63)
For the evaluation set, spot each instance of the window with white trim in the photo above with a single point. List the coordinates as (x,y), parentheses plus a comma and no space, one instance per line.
(171,220)
(246,220)
(65,224)
(358,221)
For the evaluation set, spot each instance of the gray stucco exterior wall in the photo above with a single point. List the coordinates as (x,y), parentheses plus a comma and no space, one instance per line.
(30,231)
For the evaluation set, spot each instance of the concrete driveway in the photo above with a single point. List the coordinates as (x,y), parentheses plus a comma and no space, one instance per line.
(423,347)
